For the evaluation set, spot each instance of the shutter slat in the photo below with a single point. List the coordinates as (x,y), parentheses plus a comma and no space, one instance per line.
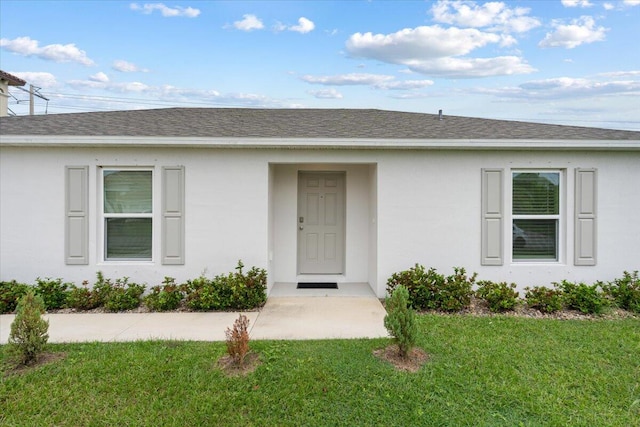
(76,215)
(585,249)
(173,249)
(492,252)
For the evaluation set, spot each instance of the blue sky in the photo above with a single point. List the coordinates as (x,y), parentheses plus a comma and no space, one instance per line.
(556,61)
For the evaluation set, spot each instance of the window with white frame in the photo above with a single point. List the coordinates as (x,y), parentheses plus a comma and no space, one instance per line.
(536,215)
(127,214)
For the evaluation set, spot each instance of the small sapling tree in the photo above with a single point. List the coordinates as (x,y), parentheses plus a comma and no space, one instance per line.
(29,331)
(238,340)
(400,321)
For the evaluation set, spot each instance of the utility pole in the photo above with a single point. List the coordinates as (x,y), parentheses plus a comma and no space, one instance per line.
(31,100)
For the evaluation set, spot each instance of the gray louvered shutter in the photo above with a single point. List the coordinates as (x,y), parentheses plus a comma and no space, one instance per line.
(492,217)
(76,247)
(173,215)
(586,217)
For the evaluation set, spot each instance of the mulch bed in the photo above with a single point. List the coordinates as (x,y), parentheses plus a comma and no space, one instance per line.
(42,360)
(416,358)
(230,369)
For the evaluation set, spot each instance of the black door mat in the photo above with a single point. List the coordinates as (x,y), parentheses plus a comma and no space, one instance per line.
(317,285)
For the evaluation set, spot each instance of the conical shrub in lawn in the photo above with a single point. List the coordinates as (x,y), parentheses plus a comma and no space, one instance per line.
(29,331)
(400,321)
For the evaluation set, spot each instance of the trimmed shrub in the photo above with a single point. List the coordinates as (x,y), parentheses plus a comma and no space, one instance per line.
(547,300)
(430,290)
(237,340)
(123,295)
(625,291)
(101,288)
(457,291)
(200,294)
(29,331)
(400,321)
(235,291)
(587,299)
(53,292)
(248,290)
(500,296)
(422,286)
(10,294)
(83,298)
(166,297)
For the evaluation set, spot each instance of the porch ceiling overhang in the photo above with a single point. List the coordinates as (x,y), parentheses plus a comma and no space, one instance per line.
(318,143)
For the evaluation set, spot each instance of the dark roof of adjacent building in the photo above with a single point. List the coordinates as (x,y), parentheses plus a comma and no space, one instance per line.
(294,123)
(11,79)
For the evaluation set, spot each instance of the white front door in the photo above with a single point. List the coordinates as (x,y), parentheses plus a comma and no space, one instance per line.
(320,222)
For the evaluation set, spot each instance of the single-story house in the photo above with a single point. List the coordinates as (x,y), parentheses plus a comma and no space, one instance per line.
(347,196)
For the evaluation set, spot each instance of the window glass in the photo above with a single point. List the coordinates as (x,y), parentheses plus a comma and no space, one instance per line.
(128,230)
(128,238)
(536,193)
(127,191)
(536,215)
(535,238)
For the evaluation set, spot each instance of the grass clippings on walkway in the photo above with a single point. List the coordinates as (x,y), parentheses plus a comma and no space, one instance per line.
(482,371)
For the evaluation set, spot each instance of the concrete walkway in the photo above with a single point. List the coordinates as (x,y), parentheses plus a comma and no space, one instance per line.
(319,316)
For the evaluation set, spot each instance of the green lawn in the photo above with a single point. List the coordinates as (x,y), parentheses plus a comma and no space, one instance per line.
(483,371)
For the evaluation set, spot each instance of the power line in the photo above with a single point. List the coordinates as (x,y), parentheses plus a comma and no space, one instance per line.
(172,103)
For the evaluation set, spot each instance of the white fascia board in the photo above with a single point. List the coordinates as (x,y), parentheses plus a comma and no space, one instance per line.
(318,143)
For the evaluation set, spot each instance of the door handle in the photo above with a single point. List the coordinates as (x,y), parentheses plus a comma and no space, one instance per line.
(301,227)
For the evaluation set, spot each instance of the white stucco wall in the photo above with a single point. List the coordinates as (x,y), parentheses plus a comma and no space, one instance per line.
(403,207)
(225,217)
(438,196)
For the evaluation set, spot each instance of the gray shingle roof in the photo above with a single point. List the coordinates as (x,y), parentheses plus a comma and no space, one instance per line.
(294,123)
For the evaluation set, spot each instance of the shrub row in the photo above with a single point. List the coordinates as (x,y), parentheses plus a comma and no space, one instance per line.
(237,290)
(430,290)
(233,291)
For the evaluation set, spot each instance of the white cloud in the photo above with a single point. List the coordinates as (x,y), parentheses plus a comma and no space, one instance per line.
(620,5)
(633,73)
(126,67)
(377,81)
(168,94)
(167,12)
(26,46)
(40,79)
(352,79)
(419,43)
(304,26)
(405,84)
(567,88)
(172,91)
(325,94)
(576,3)
(433,50)
(411,95)
(248,23)
(579,31)
(99,77)
(472,67)
(496,16)
(126,87)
